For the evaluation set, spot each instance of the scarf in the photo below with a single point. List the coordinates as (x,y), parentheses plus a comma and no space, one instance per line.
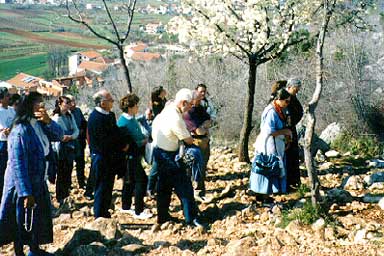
(279,110)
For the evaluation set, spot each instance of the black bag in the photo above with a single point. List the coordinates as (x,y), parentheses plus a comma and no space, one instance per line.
(267,164)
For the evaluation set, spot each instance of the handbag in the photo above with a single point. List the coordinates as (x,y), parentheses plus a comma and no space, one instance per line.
(267,164)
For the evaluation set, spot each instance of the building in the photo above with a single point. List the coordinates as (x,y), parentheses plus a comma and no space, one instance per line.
(28,83)
(139,52)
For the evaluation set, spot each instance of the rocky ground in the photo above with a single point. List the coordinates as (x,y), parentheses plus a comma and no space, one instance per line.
(236,223)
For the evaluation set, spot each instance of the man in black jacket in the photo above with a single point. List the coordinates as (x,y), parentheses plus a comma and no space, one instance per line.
(105,142)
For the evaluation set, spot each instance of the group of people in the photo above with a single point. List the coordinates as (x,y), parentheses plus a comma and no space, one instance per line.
(36,148)
(172,136)
(278,136)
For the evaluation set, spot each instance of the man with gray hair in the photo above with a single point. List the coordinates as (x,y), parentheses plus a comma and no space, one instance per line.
(294,113)
(168,130)
(105,140)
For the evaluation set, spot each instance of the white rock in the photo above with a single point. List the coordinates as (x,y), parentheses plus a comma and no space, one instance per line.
(354,183)
(375,177)
(381,203)
(332,154)
(319,224)
(330,133)
(377,163)
(360,237)
(377,185)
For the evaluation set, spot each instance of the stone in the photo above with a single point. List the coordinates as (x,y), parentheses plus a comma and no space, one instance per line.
(81,237)
(240,247)
(90,250)
(135,248)
(339,196)
(376,186)
(318,224)
(320,157)
(332,154)
(240,166)
(360,237)
(331,132)
(107,227)
(376,163)
(369,198)
(325,166)
(353,183)
(375,177)
(381,203)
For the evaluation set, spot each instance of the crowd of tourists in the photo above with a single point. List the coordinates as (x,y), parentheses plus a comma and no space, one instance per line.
(172,136)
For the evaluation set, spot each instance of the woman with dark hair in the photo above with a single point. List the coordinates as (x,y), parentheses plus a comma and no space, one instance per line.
(158,100)
(271,140)
(25,210)
(66,148)
(135,180)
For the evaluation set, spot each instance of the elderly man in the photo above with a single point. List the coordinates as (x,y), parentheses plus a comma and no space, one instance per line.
(168,129)
(294,115)
(105,140)
(6,118)
(80,141)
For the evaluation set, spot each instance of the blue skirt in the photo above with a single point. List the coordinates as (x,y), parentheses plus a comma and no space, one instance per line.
(12,218)
(267,185)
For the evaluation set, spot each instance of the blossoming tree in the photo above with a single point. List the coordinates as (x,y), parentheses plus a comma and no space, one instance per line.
(254,31)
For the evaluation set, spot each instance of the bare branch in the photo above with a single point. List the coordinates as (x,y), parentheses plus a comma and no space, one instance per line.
(80,20)
(112,21)
(131,10)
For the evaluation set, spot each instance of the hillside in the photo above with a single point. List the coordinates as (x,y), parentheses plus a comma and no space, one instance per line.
(236,224)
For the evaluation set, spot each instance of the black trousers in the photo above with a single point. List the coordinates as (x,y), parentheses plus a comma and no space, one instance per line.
(135,184)
(64,181)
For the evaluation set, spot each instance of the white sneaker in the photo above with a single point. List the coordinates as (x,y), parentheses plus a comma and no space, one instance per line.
(143,216)
(130,211)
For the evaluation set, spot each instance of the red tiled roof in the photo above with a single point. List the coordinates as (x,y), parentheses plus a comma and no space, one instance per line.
(139,48)
(24,80)
(91,54)
(145,56)
(93,66)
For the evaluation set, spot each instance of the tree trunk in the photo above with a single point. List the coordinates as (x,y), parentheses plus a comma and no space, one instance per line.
(248,111)
(310,109)
(125,67)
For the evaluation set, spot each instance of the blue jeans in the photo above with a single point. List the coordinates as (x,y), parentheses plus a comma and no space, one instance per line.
(3,164)
(173,177)
(152,178)
(104,180)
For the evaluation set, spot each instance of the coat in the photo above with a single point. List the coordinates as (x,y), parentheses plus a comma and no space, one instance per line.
(25,176)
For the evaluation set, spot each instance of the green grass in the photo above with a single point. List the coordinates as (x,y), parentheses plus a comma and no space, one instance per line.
(32,65)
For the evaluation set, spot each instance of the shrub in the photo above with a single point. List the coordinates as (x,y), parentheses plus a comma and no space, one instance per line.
(306,215)
(364,145)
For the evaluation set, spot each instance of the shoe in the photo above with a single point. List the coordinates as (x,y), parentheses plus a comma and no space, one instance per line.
(143,216)
(197,224)
(129,211)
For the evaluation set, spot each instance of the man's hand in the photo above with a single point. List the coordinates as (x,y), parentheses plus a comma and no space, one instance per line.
(42,115)
(6,131)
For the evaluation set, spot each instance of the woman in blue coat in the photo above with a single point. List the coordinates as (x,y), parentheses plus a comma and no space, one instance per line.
(272,140)
(25,210)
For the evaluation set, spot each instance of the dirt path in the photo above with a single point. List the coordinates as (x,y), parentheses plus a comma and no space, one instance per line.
(47,40)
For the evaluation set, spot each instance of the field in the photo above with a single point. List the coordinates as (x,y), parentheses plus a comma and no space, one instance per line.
(28,32)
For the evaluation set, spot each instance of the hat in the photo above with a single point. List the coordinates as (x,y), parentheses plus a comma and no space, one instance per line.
(294,82)
(3,92)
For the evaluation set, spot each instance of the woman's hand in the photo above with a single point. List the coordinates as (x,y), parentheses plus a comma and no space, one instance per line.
(29,202)
(66,138)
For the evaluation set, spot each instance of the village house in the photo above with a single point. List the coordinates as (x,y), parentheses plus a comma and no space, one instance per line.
(154,28)
(89,61)
(28,83)
(139,52)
